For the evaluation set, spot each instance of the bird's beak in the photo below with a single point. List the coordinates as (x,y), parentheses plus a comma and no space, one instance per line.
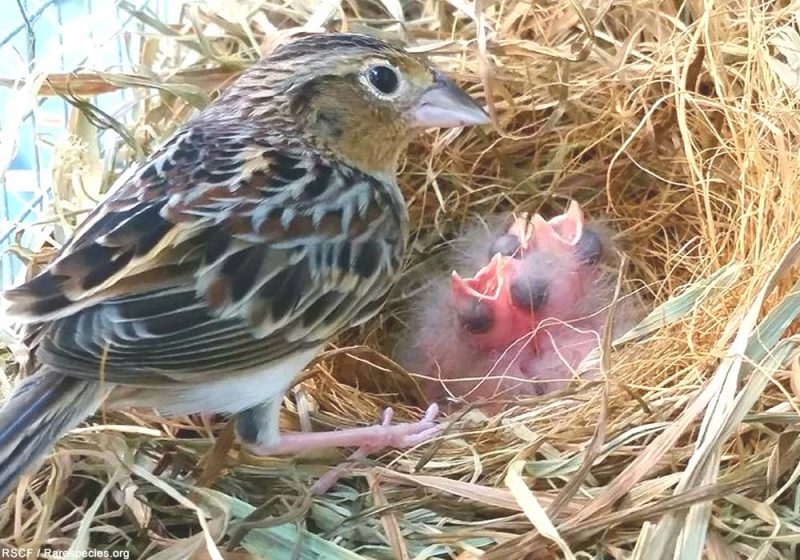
(445,105)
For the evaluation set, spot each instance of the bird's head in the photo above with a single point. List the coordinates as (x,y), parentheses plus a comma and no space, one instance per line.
(539,269)
(360,98)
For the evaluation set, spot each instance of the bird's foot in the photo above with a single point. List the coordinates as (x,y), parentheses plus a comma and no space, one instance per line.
(400,436)
(368,440)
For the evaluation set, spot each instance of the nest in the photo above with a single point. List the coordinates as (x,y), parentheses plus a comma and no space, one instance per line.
(676,123)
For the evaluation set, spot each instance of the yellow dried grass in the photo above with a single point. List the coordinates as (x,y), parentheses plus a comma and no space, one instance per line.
(678,124)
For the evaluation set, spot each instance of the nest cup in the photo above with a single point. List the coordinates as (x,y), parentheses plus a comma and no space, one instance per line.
(676,124)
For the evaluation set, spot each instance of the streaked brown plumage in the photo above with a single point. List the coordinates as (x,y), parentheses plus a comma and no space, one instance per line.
(216,270)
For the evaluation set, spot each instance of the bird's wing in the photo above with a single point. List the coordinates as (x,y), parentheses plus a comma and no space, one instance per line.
(220,253)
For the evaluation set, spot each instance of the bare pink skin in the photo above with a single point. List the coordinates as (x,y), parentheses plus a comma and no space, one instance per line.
(491,286)
(523,324)
(367,440)
(374,438)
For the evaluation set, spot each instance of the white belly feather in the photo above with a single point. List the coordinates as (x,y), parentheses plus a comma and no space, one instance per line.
(230,393)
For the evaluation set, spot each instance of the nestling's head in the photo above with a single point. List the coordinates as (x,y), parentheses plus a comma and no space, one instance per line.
(539,269)
(357,97)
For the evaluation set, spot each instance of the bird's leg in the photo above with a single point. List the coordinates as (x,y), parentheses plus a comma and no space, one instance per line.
(367,440)
(425,429)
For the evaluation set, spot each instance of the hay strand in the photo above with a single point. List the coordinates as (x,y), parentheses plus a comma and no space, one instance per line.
(676,123)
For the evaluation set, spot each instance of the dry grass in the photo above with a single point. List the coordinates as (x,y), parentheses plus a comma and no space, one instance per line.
(678,123)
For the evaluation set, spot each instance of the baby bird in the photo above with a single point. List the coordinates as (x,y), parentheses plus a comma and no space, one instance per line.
(218,269)
(524,322)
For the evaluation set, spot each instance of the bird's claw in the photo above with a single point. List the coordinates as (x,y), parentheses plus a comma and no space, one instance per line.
(401,436)
(385,435)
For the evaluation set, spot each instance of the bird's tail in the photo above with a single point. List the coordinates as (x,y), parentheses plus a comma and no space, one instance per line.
(37,413)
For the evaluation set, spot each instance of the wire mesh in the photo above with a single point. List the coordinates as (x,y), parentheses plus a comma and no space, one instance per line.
(38,38)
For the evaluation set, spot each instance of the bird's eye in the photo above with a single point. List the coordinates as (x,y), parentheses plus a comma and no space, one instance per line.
(383,78)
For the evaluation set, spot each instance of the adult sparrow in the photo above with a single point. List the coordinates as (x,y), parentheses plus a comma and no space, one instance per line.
(217,270)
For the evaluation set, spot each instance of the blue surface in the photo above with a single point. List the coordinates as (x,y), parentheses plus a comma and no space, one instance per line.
(31,155)
(36,138)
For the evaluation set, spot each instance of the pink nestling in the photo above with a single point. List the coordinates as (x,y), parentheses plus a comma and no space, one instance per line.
(524,322)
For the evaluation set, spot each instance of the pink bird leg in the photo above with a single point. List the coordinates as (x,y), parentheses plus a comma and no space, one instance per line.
(410,436)
(368,439)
